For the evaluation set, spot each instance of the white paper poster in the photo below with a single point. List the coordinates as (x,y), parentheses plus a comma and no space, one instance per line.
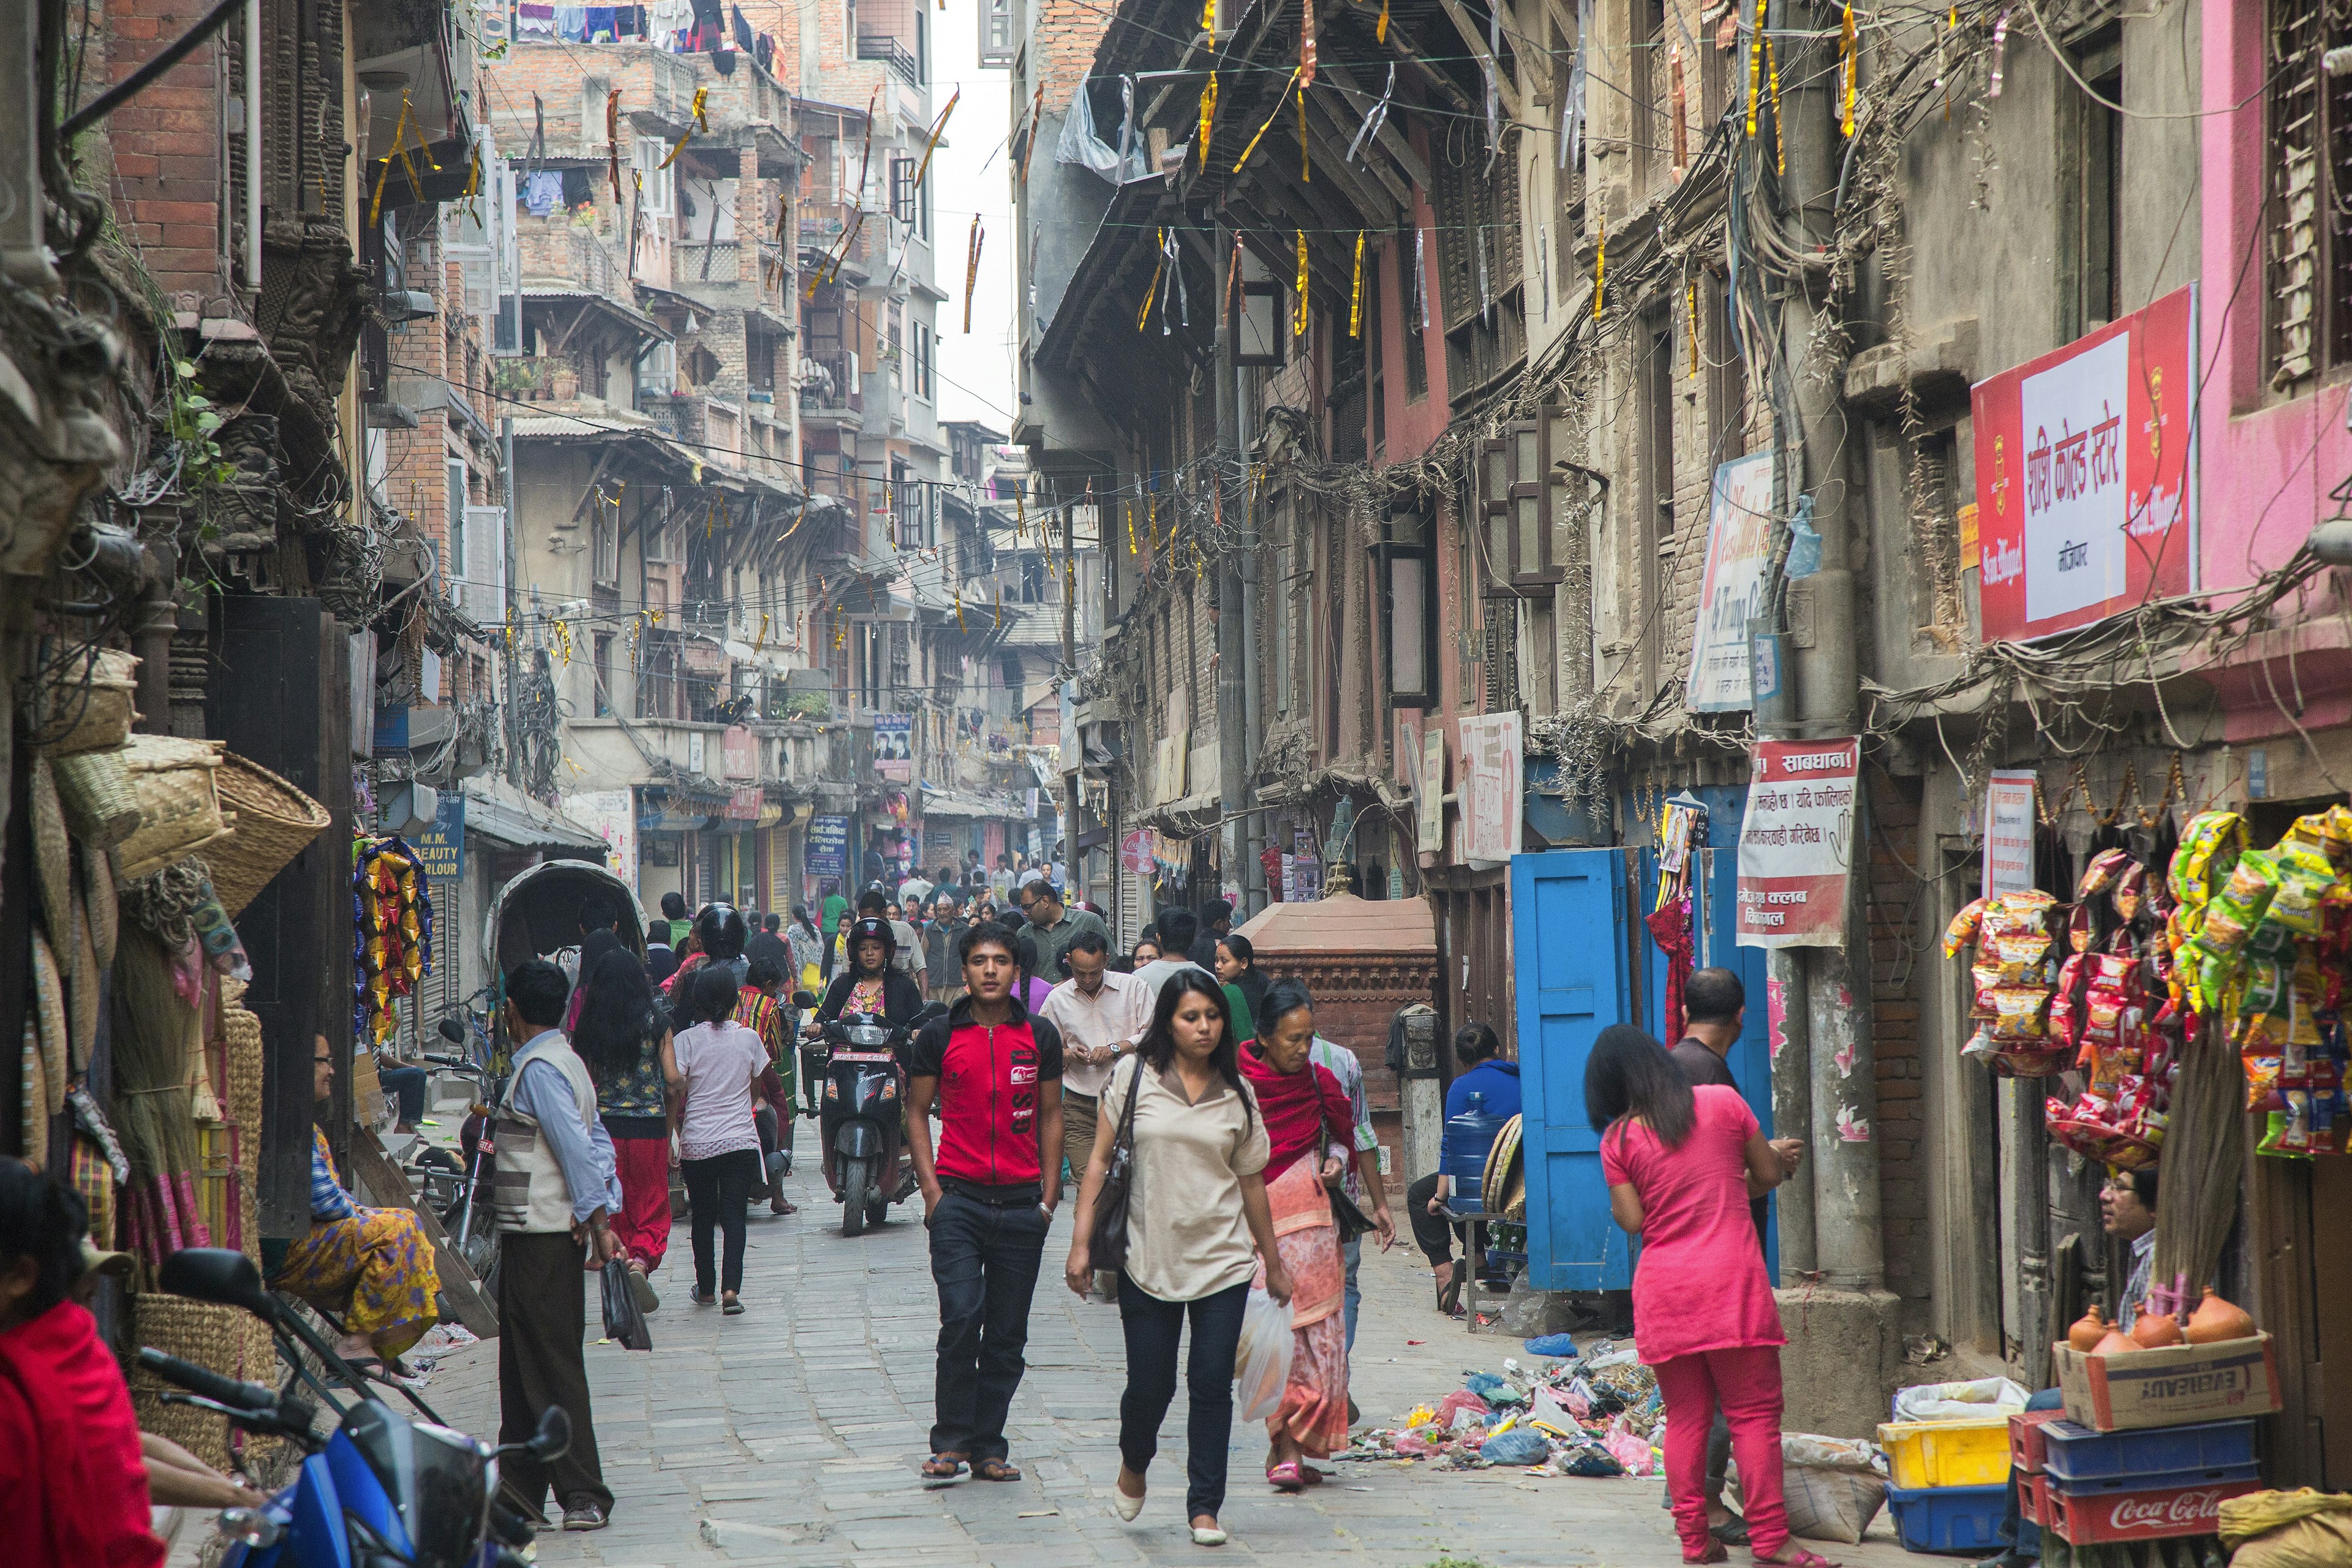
(1796,833)
(611,814)
(1490,788)
(2009,831)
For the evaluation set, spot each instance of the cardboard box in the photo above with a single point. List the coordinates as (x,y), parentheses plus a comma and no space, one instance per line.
(2170,1386)
(2154,1515)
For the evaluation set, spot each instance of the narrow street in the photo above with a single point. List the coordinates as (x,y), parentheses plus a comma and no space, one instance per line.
(790,1436)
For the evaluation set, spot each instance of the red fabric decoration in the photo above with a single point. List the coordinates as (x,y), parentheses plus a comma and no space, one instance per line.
(1670,928)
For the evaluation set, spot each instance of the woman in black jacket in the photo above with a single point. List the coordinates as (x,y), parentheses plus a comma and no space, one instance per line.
(869,984)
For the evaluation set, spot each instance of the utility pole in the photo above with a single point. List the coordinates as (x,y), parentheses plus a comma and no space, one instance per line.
(1852,1327)
(1233,655)
(513,573)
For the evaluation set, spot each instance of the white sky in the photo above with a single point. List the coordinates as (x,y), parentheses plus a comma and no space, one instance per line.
(969,173)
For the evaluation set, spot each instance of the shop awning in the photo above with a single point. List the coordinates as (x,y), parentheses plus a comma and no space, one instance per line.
(972,806)
(498,810)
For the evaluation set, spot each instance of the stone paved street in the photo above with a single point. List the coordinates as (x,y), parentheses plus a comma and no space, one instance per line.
(791,1435)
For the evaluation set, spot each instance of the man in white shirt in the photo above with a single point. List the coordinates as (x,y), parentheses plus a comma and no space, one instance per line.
(916,891)
(1177,929)
(1101,1016)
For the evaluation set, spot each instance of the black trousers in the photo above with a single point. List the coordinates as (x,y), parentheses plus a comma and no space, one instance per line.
(542,1301)
(1153,1328)
(1433,1236)
(984,1260)
(716,1189)
(405,1085)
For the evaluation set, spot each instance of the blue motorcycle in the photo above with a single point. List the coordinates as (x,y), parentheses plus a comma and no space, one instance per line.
(384,1490)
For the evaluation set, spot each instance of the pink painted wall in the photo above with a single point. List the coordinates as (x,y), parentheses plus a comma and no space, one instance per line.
(1414,425)
(2265,464)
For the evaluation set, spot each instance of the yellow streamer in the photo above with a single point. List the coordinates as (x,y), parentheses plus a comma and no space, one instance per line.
(1305,174)
(1849,68)
(1356,293)
(1208,105)
(1209,19)
(1269,121)
(1298,310)
(1600,266)
(1380,28)
(937,127)
(1780,133)
(701,123)
(1756,47)
(1690,305)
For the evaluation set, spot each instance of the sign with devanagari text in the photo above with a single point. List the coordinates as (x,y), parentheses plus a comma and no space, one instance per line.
(1796,833)
(2086,476)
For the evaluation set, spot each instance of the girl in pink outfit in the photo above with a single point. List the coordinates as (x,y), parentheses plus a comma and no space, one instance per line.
(1682,1163)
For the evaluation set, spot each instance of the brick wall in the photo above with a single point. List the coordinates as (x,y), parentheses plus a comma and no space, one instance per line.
(166,144)
(1063,36)
(1900,963)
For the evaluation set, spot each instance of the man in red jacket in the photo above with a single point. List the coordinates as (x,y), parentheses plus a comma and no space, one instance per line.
(989,1195)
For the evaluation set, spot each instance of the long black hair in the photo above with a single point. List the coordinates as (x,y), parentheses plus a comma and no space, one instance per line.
(44,1220)
(1284,997)
(617,1016)
(1157,1048)
(1629,1077)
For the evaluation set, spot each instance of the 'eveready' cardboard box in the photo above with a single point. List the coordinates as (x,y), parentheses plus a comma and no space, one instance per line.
(2167,1388)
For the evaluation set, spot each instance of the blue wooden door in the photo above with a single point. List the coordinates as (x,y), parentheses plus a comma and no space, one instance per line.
(1568,910)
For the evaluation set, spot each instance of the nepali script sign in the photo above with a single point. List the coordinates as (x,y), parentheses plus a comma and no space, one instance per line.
(2086,475)
(1739,548)
(1794,841)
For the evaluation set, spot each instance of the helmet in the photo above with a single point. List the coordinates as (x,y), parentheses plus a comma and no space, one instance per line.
(879,928)
(720,930)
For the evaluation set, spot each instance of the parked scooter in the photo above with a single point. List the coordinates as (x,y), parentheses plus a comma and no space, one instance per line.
(384,1488)
(860,1120)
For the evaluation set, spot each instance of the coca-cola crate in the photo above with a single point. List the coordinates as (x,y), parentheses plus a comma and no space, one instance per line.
(2025,1446)
(2090,1518)
(2034,1498)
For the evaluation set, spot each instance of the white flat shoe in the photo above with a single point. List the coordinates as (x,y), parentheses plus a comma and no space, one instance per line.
(1126,1506)
(1213,1536)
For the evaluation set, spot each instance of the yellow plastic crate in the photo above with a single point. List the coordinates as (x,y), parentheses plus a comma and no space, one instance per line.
(1946,1453)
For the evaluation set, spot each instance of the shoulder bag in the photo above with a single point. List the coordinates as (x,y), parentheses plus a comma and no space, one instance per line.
(1346,1213)
(1108,1245)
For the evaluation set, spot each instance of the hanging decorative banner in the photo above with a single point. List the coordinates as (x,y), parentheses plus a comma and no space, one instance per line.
(1780,132)
(613,142)
(1755,67)
(1571,110)
(1795,834)
(939,126)
(701,123)
(1678,107)
(1270,119)
(1299,309)
(1305,174)
(1208,19)
(1421,274)
(1356,292)
(1380,28)
(1152,289)
(1493,92)
(1375,118)
(971,270)
(1234,284)
(1305,45)
(1036,123)
(1600,262)
(1208,109)
(2000,46)
(2086,475)
(1849,68)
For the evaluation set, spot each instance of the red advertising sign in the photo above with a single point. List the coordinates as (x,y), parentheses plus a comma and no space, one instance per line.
(2086,475)
(1795,834)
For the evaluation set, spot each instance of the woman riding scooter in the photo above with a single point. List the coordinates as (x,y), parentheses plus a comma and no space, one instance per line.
(869,986)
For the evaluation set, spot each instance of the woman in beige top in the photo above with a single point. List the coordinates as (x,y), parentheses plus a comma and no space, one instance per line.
(1197,1226)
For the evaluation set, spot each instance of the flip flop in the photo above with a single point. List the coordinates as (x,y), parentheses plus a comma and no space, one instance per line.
(1732,1531)
(942,1471)
(997,1470)
(1285,1477)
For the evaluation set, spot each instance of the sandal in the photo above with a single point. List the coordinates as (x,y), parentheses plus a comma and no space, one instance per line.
(1732,1531)
(1801,1558)
(942,1471)
(1449,1295)
(1713,1552)
(997,1470)
(1284,1477)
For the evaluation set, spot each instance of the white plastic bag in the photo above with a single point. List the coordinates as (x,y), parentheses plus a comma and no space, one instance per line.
(1262,1366)
(1971,1400)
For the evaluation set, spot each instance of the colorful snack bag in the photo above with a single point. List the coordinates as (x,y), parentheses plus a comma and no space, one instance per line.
(2232,913)
(2304,877)
(2105,867)
(1962,932)
(2210,848)
(2130,892)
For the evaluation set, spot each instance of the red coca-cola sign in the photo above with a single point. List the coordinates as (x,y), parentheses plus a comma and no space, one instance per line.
(2145,1515)
(2155,1510)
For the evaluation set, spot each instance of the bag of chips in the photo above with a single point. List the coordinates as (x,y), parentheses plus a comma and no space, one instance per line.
(2208,851)
(2304,877)
(2232,913)
(1962,932)
(2104,871)
(2129,892)
(2018,1014)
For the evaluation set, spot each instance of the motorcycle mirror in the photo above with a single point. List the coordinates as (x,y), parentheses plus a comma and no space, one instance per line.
(932,1010)
(804,1000)
(218,1275)
(553,1438)
(453,1031)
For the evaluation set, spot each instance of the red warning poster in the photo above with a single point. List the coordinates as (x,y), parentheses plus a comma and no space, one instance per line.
(1795,839)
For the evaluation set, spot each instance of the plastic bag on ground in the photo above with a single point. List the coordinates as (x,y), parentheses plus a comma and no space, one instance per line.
(1460,1400)
(1970,1400)
(1527,1311)
(1262,1365)
(1559,1346)
(1520,1446)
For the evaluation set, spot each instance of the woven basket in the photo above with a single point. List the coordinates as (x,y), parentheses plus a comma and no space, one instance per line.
(241,1060)
(98,898)
(179,805)
(69,721)
(214,1338)
(52,849)
(275,822)
(95,789)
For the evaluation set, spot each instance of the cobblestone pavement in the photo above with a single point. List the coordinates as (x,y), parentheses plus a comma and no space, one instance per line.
(790,1436)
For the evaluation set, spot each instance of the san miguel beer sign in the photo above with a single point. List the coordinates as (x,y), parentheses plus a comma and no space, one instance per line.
(2086,476)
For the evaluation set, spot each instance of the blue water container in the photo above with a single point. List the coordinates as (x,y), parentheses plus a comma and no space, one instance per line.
(1462,1155)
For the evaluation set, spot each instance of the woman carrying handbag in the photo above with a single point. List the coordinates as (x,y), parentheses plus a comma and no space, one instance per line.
(1174,1198)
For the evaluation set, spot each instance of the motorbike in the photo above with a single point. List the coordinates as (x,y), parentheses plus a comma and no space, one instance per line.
(382,1489)
(860,1119)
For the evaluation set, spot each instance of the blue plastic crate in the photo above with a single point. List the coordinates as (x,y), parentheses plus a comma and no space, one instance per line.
(1948,1518)
(2078,1454)
(2157,1481)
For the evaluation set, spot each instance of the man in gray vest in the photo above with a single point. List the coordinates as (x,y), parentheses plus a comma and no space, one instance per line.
(555,1187)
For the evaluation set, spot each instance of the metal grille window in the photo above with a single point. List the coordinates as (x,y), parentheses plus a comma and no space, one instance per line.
(1502,651)
(2309,254)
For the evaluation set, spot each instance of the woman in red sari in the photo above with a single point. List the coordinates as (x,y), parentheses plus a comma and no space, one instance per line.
(1311,1125)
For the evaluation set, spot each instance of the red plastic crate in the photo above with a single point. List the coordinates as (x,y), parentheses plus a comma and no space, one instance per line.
(2139,1516)
(2034,1498)
(2025,1446)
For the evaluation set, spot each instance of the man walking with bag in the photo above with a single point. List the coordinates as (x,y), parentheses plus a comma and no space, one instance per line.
(989,1195)
(555,1190)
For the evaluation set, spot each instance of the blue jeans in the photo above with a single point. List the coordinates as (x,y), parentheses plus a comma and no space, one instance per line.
(1152,1327)
(1353,1251)
(407,1086)
(984,1260)
(2019,1536)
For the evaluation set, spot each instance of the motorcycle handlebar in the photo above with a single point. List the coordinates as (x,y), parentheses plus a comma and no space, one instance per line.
(248,1396)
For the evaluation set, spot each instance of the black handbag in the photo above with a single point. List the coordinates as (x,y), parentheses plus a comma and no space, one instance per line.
(1346,1213)
(1107,1249)
(625,1324)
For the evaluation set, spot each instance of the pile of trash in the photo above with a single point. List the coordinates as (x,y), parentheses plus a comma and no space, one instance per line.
(1595,1413)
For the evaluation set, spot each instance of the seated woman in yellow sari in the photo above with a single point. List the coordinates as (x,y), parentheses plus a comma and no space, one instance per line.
(371,1266)
(1310,1126)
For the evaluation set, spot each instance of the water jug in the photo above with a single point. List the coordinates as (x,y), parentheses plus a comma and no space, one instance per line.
(1469,1139)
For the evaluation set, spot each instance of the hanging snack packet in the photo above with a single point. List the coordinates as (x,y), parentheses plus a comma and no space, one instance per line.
(2268,986)
(1962,932)
(2208,851)
(2129,892)
(2018,1013)
(2233,913)
(2304,877)
(2107,868)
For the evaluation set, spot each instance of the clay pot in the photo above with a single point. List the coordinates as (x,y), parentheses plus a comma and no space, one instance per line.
(2088,1331)
(2116,1343)
(2154,1330)
(2216,1320)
